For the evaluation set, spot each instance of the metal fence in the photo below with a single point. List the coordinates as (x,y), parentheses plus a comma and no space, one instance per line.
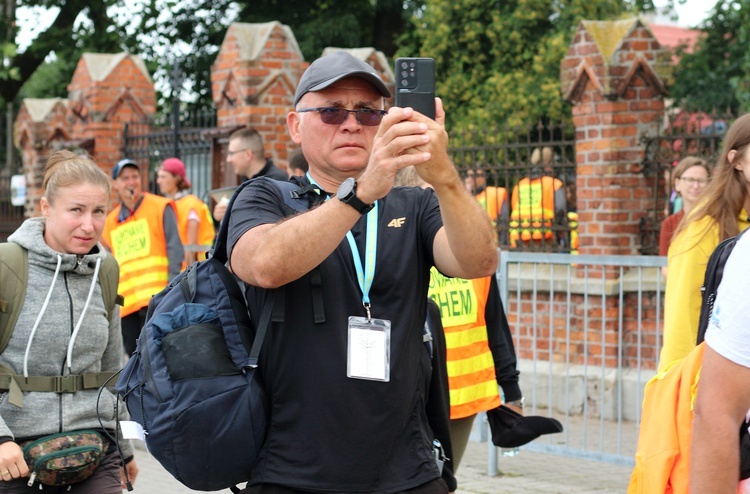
(681,134)
(587,334)
(502,157)
(152,141)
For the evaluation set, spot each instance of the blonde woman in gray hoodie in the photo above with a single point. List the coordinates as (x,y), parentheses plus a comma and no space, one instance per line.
(63,330)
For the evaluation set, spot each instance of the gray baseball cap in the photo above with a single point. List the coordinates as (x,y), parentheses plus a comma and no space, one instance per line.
(332,68)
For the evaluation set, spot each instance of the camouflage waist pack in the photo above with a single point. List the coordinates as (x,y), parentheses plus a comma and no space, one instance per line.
(64,458)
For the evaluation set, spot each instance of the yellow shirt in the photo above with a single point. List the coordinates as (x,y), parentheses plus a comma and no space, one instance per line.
(686,262)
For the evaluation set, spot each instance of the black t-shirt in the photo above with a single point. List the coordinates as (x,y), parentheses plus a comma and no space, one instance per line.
(328,432)
(272,171)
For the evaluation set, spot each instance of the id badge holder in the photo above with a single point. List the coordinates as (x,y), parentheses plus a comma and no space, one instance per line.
(368,353)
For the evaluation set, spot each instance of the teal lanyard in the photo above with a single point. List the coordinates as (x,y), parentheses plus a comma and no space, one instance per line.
(364,275)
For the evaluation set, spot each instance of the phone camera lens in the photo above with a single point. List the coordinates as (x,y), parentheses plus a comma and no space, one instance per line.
(404,74)
(404,82)
(404,65)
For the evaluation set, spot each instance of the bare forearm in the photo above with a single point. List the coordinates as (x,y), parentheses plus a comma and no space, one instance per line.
(720,406)
(714,465)
(306,240)
(469,234)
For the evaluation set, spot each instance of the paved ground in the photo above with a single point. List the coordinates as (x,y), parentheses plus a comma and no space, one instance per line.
(529,472)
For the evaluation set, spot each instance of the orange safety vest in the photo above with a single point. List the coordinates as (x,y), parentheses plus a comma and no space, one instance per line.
(533,209)
(662,459)
(492,200)
(471,369)
(206,230)
(140,247)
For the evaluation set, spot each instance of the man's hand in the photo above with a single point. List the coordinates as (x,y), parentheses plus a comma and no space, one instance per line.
(221,209)
(404,138)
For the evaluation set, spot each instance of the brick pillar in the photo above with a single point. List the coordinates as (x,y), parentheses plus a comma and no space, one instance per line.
(106,92)
(40,126)
(613,77)
(253,82)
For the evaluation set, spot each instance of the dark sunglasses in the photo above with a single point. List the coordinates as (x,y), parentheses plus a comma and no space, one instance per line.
(337,116)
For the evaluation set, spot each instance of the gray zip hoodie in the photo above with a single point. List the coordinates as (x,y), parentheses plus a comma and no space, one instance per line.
(96,346)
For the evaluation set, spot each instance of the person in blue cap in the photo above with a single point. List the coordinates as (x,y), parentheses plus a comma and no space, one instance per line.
(142,234)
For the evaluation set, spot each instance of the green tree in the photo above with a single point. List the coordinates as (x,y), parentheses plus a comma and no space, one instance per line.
(715,77)
(498,61)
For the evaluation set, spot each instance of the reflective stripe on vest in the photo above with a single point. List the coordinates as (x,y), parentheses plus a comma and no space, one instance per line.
(139,245)
(471,369)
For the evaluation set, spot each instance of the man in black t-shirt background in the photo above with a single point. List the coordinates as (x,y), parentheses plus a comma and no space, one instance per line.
(346,372)
(246,155)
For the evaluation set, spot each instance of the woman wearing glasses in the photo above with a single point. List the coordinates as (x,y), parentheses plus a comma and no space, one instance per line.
(691,176)
(721,212)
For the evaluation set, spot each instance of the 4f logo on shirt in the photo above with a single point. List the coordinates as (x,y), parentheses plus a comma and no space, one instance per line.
(397,222)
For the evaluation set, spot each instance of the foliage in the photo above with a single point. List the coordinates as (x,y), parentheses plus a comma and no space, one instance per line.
(715,77)
(498,61)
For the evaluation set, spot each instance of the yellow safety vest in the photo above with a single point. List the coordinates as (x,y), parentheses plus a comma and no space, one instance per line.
(140,247)
(471,369)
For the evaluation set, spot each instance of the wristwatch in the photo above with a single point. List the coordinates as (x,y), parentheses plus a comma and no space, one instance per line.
(347,194)
(516,403)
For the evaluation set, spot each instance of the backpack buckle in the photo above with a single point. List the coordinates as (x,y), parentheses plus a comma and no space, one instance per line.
(66,384)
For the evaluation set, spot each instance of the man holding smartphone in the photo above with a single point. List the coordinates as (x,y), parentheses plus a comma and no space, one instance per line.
(348,384)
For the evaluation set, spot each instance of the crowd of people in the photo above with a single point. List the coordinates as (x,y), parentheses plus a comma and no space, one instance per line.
(393,232)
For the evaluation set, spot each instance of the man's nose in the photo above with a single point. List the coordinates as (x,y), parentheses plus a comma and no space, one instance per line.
(351,118)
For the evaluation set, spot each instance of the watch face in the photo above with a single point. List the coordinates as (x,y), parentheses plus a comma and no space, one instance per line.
(346,188)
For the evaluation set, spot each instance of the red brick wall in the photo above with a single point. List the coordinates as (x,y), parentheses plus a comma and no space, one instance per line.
(616,98)
(593,335)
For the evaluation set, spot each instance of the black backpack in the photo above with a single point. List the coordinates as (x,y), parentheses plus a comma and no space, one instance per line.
(192,382)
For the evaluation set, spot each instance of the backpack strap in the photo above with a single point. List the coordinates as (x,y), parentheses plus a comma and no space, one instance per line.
(712,280)
(14,262)
(109,278)
(299,197)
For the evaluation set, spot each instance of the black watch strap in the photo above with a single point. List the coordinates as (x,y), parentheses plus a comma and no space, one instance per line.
(357,204)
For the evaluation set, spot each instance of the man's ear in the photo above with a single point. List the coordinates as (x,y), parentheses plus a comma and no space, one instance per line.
(292,123)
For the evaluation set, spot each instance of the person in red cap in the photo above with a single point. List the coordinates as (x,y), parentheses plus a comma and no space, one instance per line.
(194,221)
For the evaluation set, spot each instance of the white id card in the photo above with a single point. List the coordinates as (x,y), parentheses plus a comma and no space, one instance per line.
(368,354)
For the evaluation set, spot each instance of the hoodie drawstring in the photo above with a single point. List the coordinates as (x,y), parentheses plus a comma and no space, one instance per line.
(39,318)
(94,279)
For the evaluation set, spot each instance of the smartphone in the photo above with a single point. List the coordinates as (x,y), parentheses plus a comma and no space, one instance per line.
(415,84)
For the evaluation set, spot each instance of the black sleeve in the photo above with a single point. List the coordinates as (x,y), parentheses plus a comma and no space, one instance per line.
(501,344)
(438,400)
(259,203)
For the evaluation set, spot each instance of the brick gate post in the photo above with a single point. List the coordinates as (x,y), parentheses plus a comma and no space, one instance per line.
(108,91)
(613,75)
(40,126)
